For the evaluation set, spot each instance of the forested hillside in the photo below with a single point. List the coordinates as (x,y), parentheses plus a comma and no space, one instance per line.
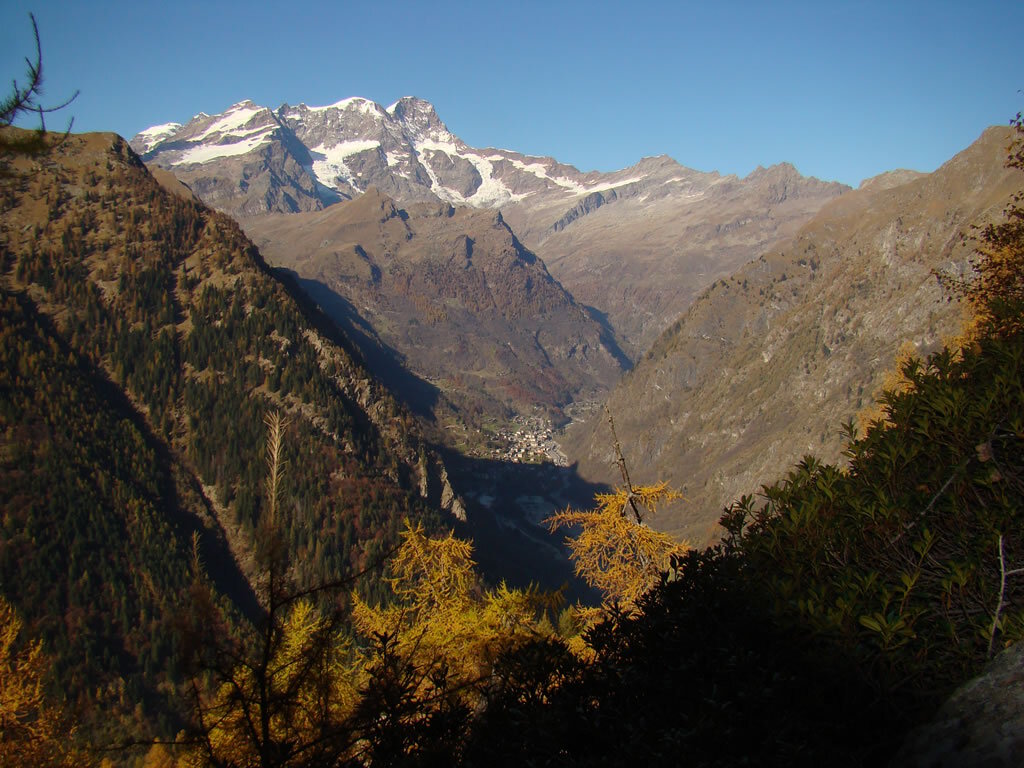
(144,343)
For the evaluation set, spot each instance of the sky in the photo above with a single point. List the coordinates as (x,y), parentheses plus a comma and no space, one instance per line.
(843,90)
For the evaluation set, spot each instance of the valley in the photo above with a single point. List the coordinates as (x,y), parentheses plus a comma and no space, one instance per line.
(725,321)
(601,262)
(504,385)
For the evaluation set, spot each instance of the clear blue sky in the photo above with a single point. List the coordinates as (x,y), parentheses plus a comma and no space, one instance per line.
(843,90)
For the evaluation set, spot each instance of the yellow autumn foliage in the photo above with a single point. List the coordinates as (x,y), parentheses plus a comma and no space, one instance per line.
(281,700)
(615,551)
(443,616)
(31,732)
(893,380)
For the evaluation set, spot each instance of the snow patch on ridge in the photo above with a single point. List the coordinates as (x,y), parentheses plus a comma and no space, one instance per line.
(540,169)
(590,189)
(236,117)
(229,135)
(204,153)
(365,106)
(491,191)
(329,162)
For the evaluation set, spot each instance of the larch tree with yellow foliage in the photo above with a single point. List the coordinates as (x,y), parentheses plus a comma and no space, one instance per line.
(282,695)
(297,690)
(615,550)
(31,732)
(430,654)
(443,618)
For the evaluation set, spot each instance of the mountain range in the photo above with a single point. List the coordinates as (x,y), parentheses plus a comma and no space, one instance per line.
(625,252)
(394,294)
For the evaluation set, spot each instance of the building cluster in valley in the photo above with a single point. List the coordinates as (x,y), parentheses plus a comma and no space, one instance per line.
(530,439)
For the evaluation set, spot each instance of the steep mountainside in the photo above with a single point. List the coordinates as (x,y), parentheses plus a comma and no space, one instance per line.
(636,244)
(454,293)
(242,161)
(749,378)
(94,547)
(144,342)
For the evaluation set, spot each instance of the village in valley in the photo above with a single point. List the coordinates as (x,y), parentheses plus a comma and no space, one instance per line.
(530,439)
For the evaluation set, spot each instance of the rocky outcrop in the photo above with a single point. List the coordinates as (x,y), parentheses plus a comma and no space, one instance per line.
(980,726)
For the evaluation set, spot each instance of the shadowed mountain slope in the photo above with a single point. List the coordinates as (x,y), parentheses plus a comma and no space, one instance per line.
(144,342)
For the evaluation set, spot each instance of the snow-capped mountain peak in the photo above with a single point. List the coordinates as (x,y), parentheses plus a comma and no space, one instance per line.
(420,119)
(152,136)
(352,103)
(312,156)
(239,130)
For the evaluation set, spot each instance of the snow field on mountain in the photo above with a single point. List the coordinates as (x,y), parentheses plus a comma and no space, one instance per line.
(153,136)
(329,162)
(204,153)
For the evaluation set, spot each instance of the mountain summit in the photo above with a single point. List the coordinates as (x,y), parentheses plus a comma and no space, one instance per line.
(303,158)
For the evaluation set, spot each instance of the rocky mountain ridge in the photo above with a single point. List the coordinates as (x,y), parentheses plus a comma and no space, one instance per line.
(340,150)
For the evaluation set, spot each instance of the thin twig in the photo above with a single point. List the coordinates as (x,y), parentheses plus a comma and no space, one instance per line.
(621,461)
(1003,574)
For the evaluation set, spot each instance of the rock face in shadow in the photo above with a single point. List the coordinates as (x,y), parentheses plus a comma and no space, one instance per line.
(980,726)
(770,362)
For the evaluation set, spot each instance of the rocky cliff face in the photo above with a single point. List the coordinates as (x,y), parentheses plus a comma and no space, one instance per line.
(243,161)
(769,362)
(980,726)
